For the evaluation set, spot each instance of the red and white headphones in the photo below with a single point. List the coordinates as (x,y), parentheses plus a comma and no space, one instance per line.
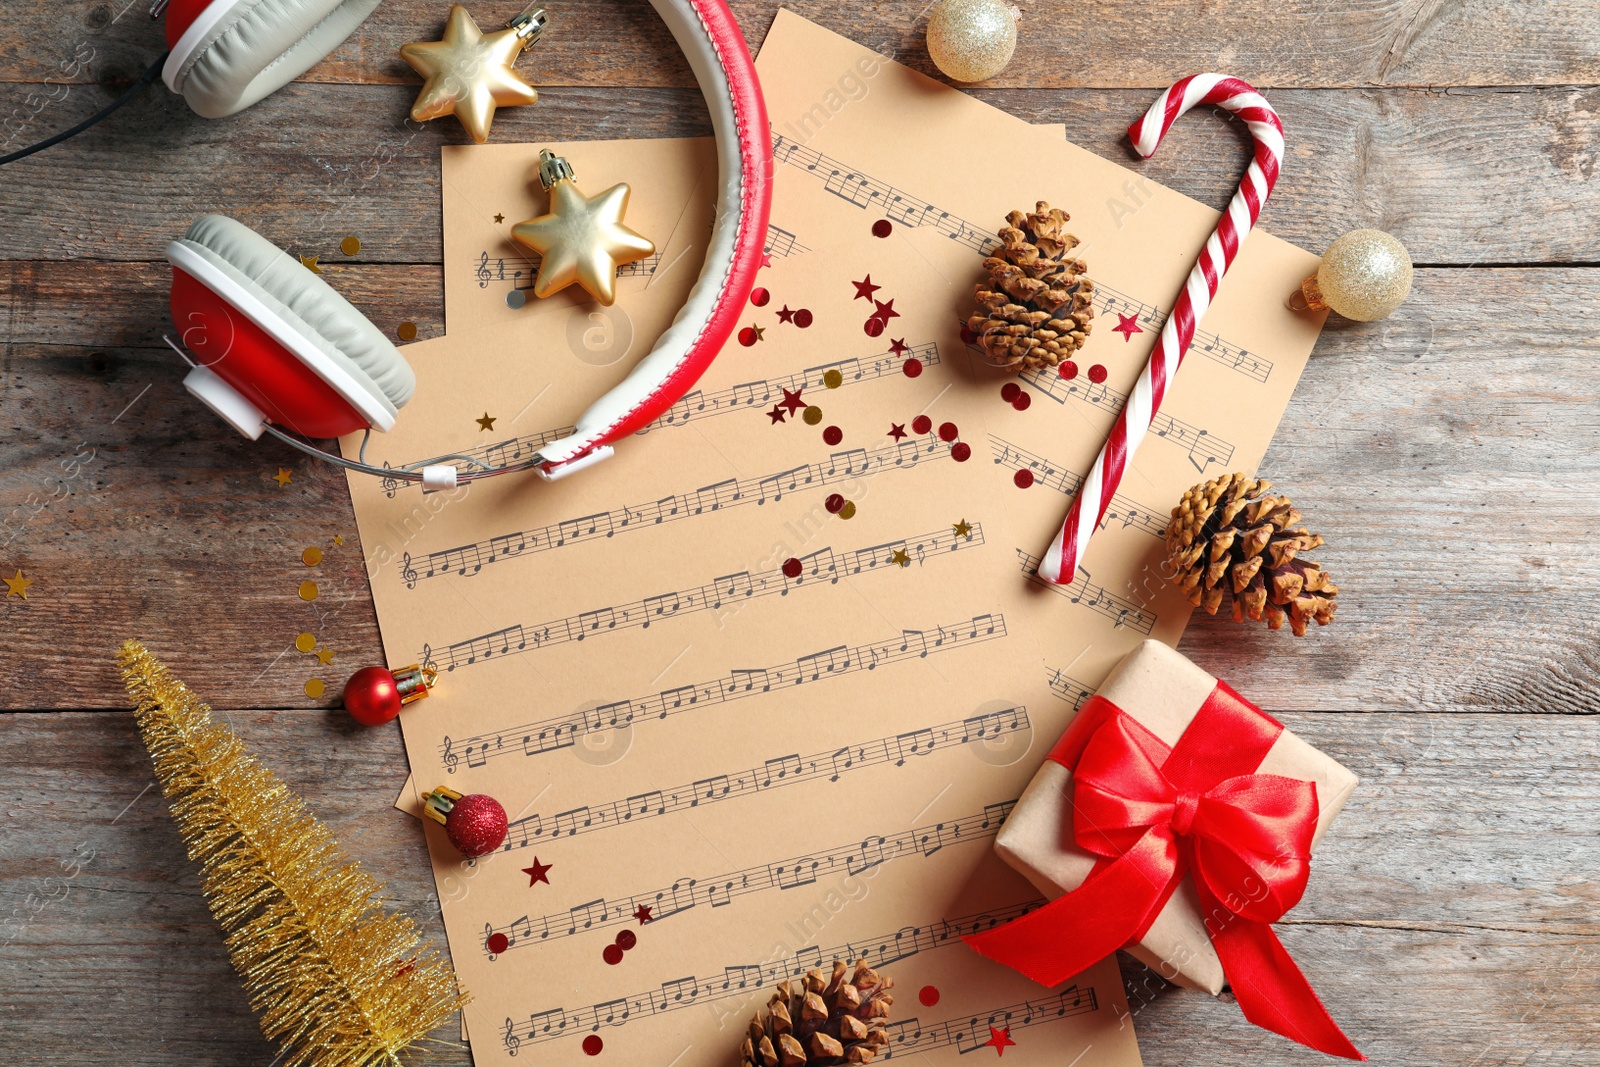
(276,350)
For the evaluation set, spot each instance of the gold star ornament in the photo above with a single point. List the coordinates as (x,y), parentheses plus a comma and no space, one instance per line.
(468,74)
(582,239)
(17,585)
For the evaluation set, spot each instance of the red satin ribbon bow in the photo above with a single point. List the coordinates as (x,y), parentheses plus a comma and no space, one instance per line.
(1154,814)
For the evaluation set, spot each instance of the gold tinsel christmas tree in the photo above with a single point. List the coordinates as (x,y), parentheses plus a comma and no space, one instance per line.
(338,981)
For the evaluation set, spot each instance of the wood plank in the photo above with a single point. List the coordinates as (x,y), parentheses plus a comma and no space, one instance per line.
(1304,43)
(1465,177)
(1451,474)
(1450,918)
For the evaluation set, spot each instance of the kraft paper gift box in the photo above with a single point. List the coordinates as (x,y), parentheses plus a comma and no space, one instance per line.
(1163,690)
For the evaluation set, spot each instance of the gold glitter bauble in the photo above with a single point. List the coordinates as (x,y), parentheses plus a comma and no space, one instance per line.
(971,40)
(1364,275)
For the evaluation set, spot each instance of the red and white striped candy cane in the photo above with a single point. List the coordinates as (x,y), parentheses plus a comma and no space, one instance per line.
(1060,563)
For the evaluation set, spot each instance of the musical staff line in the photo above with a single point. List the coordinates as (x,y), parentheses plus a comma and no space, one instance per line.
(822,565)
(639,268)
(741,979)
(1096,598)
(830,765)
(688,893)
(467,560)
(910,1035)
(1192,439)
(552,735)
(1045,472)
(1069,688)
(865,191)
(745,396)
(782,243)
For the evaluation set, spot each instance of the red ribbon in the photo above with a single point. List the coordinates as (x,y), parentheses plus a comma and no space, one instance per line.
(1154,814)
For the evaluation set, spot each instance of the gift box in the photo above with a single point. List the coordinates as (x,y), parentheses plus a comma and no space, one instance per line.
(1180,781)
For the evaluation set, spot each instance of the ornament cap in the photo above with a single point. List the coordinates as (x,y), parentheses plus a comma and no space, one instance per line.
(439,803)
(414,682)
(530,25)
(553,168)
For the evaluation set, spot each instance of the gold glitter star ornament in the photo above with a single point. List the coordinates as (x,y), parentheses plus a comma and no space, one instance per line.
(468,74)
(582,239)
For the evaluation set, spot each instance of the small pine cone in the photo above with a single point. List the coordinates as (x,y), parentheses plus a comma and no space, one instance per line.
(841,1019)
(1035,309)
(1232,537)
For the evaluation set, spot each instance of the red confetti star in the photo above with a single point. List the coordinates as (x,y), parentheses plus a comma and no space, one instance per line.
(792,401)
(865,288)
(898,346)
(785,315)
(539,872)
(1000,1039)
(776,414)
(643,914)
(1127,326)
(897,430)
(885,311)
(766,261)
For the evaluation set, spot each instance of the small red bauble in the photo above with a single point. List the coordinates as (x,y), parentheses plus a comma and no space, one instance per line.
(374,695)
(476,823)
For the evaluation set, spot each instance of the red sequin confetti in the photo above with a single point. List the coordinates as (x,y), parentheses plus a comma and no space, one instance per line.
(1022,401)
(785,315)
(792,401)
(865,288)
(929,995)
(912,367)
(885,310)
(834,503)
(1010,391)
(960,451)
(1097,374)
(898,347)
(776,414)
(802,318)
(832,435)
(1000,1039)
(592,1045)
(627,939)
(1023,478)
(968,337)
(612,954)
(873,326)
(1127,326)
(791,569)
(498,943)
(643,914)
(1068,370)
(882,228)
(747,336)
(539,872)
(759,297)
(921,424)
(948,432)
(897,430)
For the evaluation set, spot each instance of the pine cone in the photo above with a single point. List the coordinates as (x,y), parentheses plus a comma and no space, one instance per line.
(1231,535)
(822,1021)
(1034,310)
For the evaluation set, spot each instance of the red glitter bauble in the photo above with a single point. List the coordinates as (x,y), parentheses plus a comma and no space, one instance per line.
(592,1045)
(921,424)
(960,451)
(476,825)
(371,697)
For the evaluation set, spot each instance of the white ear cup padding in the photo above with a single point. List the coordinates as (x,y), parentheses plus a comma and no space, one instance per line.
(306,301)
(243,50)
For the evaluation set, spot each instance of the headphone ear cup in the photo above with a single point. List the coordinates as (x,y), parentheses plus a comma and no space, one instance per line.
(228,54)
(275,334)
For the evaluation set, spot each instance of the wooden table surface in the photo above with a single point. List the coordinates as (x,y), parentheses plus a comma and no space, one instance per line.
(1448,454)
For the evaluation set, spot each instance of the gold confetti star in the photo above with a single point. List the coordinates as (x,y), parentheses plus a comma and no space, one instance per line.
(900,558)
(17,585)
(325,654)
(485,423)
(283,477)
(582,239)
(338,539)
(498,218)
(310,264)
(963,529)
(761,331)
(468,74)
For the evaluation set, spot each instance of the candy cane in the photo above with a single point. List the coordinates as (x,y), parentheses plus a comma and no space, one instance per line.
(1060,563)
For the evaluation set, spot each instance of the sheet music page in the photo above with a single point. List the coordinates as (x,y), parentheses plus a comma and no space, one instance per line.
(774,727)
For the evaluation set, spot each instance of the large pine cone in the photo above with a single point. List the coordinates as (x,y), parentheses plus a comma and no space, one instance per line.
(1034,310)
(822,1021)
(1231,535)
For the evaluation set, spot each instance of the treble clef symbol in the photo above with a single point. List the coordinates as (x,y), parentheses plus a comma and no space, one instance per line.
(513,1042)
(449,758)
(390,485)
(427,659)
(483,271)
(408,572)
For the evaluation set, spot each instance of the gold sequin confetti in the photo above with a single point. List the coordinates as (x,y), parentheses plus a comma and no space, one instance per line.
(498,218)
(832,379)
(338,539)
(350,245)
(311,556)
(308,590)
(900,558)
(407,331)
(315,688)
(962,529)
(849,510)
(305,642)
(813,415)
(485,423)
(17,585)
(283,477)
(325,655)
(310,264)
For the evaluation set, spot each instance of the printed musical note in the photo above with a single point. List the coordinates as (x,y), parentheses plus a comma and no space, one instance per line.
(772,774)
(1096,598)
(468,560)
(1069,688)
(781,243)
(600,622)
(719,891)
(1122,511)
(522,276)
(537,738)
(738,980)
(868,193)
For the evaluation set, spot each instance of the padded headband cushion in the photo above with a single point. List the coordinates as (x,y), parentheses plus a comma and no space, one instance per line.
(232,56)
(305,301)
